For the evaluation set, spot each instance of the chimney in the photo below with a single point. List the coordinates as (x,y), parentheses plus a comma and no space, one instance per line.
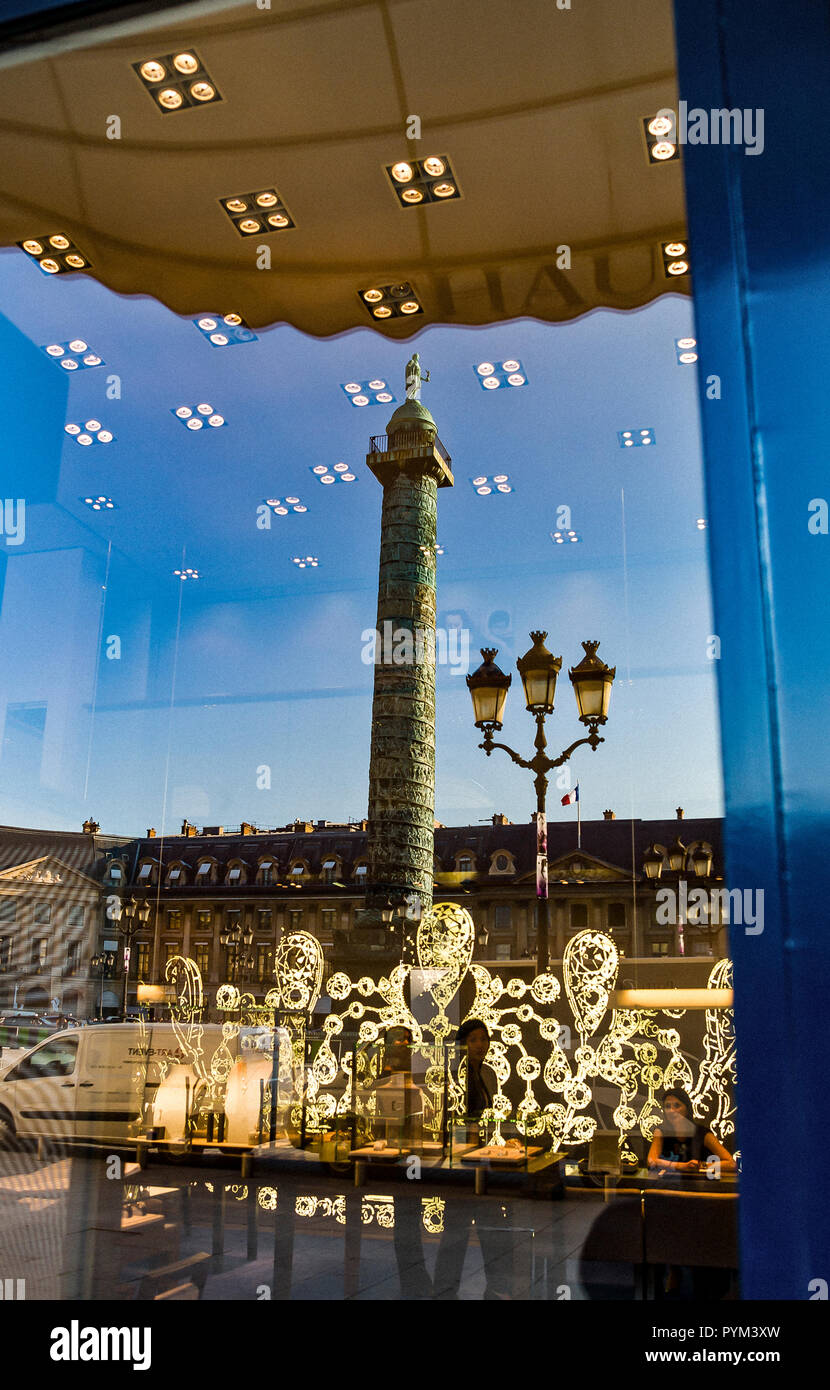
(247,828)
(609,815)
(151,834)
(500,819)
(188,829)
(680,813)
(91,827)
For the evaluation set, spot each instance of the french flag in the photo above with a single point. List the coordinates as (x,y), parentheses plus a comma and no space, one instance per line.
(571,797)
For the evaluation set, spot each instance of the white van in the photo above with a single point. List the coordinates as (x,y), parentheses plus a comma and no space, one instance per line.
(113,1082)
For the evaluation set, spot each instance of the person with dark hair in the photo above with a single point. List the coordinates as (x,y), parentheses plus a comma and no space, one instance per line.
(474,1037)
(680,1144)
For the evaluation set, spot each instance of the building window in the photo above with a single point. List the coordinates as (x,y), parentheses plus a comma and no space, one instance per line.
(174,874)
(659,948)
(327,924)
(503,950)
(297,871)
(40,953)
(43,914)
(142,959)
(263,919)
(171,949)
(144,872)
(263,962)
(5,953)
(203,918)
(501,863)
(266,875)
(295,920)
(579,916)
(329,870)
(174,919)
(8,909)
(202,956)
(116,873)
(361,871)
(73,956)
(616,915)
(504,913)
(75,916)
(700,948)
(234,874)
(203,869)
(464,865)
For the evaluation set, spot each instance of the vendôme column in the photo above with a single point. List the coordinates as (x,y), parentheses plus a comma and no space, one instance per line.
(411,464)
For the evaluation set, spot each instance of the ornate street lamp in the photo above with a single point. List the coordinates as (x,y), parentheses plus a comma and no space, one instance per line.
(134,914)
(237,941)
(652,863)
(488,686)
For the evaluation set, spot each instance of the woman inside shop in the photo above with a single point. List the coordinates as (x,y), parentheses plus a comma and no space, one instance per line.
(473,1039)
(680,1144)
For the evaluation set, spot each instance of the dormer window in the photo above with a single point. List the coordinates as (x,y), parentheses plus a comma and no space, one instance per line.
(297,871)
(502,862)
(116,873)
(329,870)
(266,873)
(144,872)
(464,864)
(234,874)
(203,869)
(174,875)
(361,871)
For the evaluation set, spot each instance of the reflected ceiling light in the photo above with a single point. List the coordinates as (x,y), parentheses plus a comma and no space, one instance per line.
(99,503)
(423,180)
(631,439)
(176,81)
(234,330)
(487,486)
(382,311)
(56,254)
(675,258)
(701,523)
(187,574)
(282,506)
(88,433)
(669,998)
(69,355)
(493,375)
(197,421)
(305,561)
(243,203)
(661,144)
(373,392)
(564,537)
(685,350)
(339,473)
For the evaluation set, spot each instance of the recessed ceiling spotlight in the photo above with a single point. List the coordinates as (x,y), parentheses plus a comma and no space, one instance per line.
(305,561)
(99,503)
(661,142)
(373,392)
(232,330)
(493,375)
(564,537)
(391,301)
(240,206)
(176,81)
(701,523)
(204,414)
(92,431)
(435,549)
(56,254)
(187,574)
(488,487)
(635,439)
(339,473)
(282,506)
(675,258)
(423,180)
(686,350)
(74,356)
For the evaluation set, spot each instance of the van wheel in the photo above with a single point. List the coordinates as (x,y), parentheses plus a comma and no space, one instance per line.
(7,1132)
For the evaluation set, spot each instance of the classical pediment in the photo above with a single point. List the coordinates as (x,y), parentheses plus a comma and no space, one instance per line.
(577,867)
(46,872)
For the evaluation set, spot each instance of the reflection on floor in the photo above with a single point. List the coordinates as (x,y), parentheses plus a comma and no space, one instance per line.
(93,1226)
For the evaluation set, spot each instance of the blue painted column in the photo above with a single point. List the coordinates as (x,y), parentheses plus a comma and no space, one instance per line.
(759,239)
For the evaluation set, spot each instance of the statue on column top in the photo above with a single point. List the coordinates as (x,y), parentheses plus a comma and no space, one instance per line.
(414,378)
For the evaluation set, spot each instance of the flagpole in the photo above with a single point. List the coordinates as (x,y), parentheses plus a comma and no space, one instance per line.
(578,821)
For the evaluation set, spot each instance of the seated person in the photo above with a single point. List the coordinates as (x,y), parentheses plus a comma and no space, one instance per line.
(399,1103)
(680,1144)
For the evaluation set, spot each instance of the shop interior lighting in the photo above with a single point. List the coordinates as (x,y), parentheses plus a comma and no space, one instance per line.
(635,439)
(701,523)
(675,258)
(56,254)
(433,549)
(281,506)
(90,432)
(487,486)
(338,473)
(661,139)
(177,81)
(564,537)
(494,375)
(374,392)
(390,301)
(305,561)
(74,356)
(259,213)
(686,349)
(420,181)
(196,417)
(225,330)
(187,574)
(100,503)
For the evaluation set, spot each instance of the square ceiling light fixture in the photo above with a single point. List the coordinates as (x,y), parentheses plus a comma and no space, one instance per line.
(635,439)
(74,356)
(374,392)
(177,81)
(196,417)
(675,258)
(187,574)
(390,301)
(258,214)
(225,330)
(89,433)
(281,506)
(686,350)
(563,537)
(661,141)
(305,561)
(419,181)
(338,473)
(56,254)
(100,503)
(493,375)
(487,487)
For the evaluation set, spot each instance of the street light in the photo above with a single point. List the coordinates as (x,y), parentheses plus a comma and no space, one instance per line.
(103,961)
(538,668)
(679,859)
(133,916)
(237,941)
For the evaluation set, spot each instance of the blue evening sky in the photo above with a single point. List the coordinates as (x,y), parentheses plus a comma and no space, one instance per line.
(266,658)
